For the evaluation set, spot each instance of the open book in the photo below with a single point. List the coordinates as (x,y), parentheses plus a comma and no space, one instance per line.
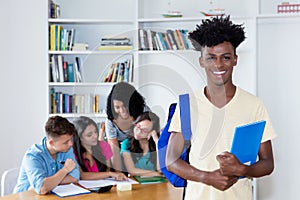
(69,190)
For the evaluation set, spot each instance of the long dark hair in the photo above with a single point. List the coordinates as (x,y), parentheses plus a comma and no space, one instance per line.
(131,98)
(80,124)
(135,147)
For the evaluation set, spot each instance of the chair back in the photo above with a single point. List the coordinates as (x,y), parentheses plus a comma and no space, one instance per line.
(9,181)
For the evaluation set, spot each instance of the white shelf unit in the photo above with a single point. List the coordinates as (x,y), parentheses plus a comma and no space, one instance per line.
(91,21)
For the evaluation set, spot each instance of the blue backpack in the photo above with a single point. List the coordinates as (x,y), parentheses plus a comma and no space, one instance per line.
(163,140)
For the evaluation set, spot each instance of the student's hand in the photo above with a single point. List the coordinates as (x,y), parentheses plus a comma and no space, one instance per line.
(230,165)
(219,181)
(154,135)
(69,165)
(118,176)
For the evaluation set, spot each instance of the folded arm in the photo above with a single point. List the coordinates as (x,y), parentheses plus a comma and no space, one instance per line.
(60,177)
(187,171)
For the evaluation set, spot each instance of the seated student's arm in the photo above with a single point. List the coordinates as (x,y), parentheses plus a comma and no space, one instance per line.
(187,171)
(230,165)
(133,171)
(102,175)
(60,177)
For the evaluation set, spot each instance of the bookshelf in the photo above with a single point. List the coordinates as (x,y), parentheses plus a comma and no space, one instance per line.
(90,22)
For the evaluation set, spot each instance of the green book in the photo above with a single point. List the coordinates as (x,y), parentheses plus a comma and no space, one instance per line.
(150,179)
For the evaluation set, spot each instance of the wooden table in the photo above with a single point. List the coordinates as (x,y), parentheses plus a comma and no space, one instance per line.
(159,191)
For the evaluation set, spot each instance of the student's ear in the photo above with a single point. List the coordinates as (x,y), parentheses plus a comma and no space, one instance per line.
(201,61)
(235,60)
(51,141)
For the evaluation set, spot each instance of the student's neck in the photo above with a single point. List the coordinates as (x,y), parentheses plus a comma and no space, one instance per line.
(220,96)
(88,148)
(144,144)
(51,151)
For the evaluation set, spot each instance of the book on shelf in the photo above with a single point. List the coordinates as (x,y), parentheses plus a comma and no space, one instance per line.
(115,47)
(80,47)
(143,43)
(119,71)
(62,71)
(70,72)
(54,10)
(171,38)
(149,38)
(52,37)
(78,70)
(73,103)
(60,38)
(60,68)
(150,179)
(96,104)
(115,43)
(167,40)
(71,34)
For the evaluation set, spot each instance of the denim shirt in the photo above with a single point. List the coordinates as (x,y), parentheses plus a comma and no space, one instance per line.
(37,164)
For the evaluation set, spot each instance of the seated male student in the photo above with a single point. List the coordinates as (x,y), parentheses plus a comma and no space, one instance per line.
(51,162)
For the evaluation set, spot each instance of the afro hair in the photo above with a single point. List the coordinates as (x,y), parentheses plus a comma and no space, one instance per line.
(217,30)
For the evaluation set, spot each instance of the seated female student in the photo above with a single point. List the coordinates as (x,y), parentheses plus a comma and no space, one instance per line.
(139,151)
(124,105)
(93,156)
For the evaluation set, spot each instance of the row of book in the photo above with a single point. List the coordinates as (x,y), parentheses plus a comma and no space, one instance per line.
(64,71)
(168,40)
(54,10)
(73,103)
(60,39)
(120,71)
(115,43)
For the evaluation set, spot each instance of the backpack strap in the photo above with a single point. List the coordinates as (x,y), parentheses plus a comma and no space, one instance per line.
(184,103)
(185,119)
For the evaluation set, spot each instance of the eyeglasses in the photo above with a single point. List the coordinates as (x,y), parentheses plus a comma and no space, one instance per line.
(141,130)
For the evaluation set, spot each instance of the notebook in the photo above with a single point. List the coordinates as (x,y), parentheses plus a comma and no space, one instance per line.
(69,190)
(150,179)
(246,142)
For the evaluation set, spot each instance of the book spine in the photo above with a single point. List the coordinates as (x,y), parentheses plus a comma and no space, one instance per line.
(60,68)
(52,37)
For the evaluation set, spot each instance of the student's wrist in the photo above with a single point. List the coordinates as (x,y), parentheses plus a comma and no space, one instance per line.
(110,174)
(64,170)
(242,170)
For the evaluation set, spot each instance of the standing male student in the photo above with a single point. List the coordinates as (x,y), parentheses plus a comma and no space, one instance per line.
(52,162)
(213,173)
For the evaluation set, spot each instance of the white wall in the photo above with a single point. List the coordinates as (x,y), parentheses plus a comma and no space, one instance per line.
(278,86)
(23,76)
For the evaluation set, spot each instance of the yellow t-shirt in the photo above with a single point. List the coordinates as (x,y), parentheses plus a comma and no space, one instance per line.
(212,133)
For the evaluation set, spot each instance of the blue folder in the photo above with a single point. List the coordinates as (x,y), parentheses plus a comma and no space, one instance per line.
(246,141)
